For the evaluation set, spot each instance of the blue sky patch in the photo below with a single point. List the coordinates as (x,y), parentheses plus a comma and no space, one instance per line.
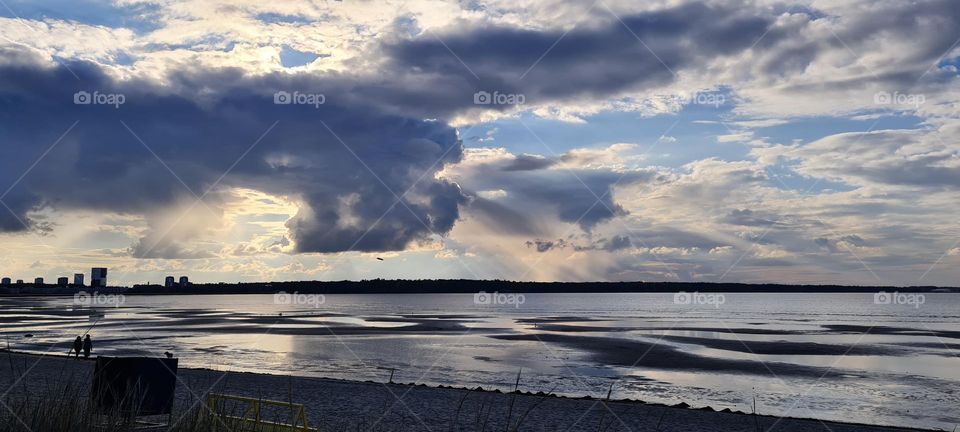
(290,57)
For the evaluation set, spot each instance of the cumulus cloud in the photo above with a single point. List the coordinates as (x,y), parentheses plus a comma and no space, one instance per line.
(909,158)
(569,188)
(598,59)
(221,128)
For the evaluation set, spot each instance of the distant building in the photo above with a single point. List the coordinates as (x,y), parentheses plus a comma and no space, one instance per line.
(169,282)
(19,281)
(5,281)
(38,281)
(98,277)
(184,281)
(63,281)
(78,279)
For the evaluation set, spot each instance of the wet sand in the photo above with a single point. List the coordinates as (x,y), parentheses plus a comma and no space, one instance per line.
(630,353)
(786,347)
(334,405)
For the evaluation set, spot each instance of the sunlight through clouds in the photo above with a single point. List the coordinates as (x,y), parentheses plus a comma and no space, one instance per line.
(540,140)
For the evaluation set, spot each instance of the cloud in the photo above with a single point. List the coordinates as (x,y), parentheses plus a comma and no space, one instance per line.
(502,218)
(595,60)
(527,162)
(904,158)
(747,217)
(206,128)
(616,243)
(839,58)
(574,188)
(547,245)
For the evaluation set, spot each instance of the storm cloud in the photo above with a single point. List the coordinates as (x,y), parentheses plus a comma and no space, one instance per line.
(346,163)
(610,56)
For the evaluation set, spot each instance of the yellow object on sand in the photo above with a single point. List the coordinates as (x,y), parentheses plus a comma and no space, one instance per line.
(252,420)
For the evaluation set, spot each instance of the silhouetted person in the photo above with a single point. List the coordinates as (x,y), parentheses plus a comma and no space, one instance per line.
(87,346)
(168,354)
(77,346)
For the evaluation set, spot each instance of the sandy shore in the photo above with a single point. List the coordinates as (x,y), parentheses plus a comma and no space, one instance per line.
(335,405)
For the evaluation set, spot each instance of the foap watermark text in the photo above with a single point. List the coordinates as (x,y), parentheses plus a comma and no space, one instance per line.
(298,98)
(96,98)
(497,98)
(899,299)
(96,299)
(897,98)
(499,299)
(698,298)
(297,299)
(714,99)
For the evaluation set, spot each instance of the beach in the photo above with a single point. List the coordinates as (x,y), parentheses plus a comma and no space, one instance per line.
(776,355)
(335,405)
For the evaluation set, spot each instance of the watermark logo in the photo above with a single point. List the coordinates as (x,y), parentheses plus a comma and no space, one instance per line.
(497,98)
(714,99)
(698,298)
(297,98)
(900,299)
(96,98)
(95,299)
(897,98)
(297,299)
(496,298)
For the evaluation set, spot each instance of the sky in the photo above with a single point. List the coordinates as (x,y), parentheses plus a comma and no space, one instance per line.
(809,142)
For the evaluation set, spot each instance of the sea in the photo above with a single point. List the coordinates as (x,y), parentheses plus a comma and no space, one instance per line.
(883,358)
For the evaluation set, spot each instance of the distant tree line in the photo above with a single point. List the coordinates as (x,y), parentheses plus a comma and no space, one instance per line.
(466,286)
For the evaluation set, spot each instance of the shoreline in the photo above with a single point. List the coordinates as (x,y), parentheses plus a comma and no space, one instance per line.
(461,286)
(252,384)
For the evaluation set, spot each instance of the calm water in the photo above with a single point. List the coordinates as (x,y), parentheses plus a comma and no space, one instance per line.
(835,356)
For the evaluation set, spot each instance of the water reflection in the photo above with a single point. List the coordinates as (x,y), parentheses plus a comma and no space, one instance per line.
(772,347)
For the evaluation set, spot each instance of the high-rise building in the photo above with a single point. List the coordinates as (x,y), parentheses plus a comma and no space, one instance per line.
(5,281)
(38,281)
(184,281)
(169,282)
(98,277)
(78,279)
(63,281)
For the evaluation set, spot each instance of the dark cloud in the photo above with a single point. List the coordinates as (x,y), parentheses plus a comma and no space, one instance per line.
(345,161)
(862,31)
(854,240)
(547,245)
(832,244)
(617,243)
(747,217)
(579,196)
(527,162)
(610,245)
(826,243)
(586,204)
(202,122)
(198,122)
(599,59)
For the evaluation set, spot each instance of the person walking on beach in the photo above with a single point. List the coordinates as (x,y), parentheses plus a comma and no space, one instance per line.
(77,346)
(87,347)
